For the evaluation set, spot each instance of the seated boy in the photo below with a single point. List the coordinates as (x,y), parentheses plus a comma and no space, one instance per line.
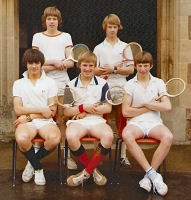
(34,97)
(88,111)
(144,110)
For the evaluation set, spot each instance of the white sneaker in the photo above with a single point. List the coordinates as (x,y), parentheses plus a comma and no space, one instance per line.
(71,164)
(125,162)
(78,179)
(99,178)
(28,172)
(159,186)
(39,178)
(145,184)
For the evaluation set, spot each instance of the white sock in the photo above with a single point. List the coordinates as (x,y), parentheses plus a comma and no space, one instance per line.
(151,173)
(123,150)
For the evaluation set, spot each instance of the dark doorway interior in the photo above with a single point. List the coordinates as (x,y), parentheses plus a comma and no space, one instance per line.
(83,20)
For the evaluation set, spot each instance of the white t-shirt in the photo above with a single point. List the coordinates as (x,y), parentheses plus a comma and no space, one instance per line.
(141,95)
(35,96)
(54,47)
(109,54)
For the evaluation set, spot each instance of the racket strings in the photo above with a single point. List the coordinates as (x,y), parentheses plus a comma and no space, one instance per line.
(77,51)
(133,48)
(66,97)
(175,87)
(115,96)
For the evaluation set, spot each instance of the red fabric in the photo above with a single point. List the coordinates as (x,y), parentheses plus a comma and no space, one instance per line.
(122,124)
(80,108)
(84,159)
(94,162)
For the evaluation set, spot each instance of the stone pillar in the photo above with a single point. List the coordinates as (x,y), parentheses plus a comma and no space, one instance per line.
(174,50)
(9,63)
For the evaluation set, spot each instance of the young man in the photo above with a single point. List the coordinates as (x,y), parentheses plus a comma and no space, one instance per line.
(109,64)
(87,119)
(34,96)
(144,110)
(56,47)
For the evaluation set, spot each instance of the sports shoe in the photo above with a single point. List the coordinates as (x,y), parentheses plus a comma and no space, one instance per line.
(125,162)
(71,164)
(39,178)
(145,184)
(28,172)
(99,179)
(78,179)
(159,186)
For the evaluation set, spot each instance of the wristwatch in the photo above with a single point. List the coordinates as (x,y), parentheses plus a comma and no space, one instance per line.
(115,70)
(28,118)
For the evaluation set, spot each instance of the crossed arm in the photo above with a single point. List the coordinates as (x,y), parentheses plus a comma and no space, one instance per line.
(74,112)
(51,65)
(35,113)
(162,105)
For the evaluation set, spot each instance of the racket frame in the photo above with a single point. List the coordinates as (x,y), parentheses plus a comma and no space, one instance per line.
(73,95)
(175,95)
(75,46)
(129,46)
(109,101)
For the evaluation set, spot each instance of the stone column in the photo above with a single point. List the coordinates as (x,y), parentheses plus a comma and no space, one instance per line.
(9,63)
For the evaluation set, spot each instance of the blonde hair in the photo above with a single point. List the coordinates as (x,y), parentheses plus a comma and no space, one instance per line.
(111,19)
(87,56)
(51,11)
(143,57)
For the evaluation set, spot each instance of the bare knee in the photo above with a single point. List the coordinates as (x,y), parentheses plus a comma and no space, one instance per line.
(107,140)
(128,137)
(167,139)
(22,139)
(54,139)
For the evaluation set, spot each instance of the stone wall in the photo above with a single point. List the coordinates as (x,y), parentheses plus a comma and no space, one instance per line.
(9,63)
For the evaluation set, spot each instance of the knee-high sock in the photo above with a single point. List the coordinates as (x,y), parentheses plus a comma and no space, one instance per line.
(98,156)
(42,152)
(31,156)
(81,155)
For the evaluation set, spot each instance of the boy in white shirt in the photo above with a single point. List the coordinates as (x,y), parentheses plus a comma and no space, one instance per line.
(56,47)
(109,65)
(87,118)
(32,96)
(144,110)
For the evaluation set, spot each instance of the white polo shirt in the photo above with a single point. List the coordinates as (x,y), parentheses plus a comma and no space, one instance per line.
(112,54)
(141,95)
(35,95)
(54,47)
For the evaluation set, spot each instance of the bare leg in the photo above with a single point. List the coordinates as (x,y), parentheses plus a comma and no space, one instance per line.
(163,134)
(130,134)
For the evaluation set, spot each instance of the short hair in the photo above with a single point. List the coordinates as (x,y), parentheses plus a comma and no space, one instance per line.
(87,56)
(33,56)
(51,11)
(143,57)
(111,19)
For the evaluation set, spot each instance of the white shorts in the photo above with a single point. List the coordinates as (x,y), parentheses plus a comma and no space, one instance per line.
(39,123)
(88,121)
(145,126)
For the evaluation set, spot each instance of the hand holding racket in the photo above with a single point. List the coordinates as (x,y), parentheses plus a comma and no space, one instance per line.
(76,51)
(66,97)
(175,87)
(130,51)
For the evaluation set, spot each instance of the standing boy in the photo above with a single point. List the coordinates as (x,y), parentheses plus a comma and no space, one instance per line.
(145,121)
(109,64)
(87,111)
(32,96)
(56,47)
